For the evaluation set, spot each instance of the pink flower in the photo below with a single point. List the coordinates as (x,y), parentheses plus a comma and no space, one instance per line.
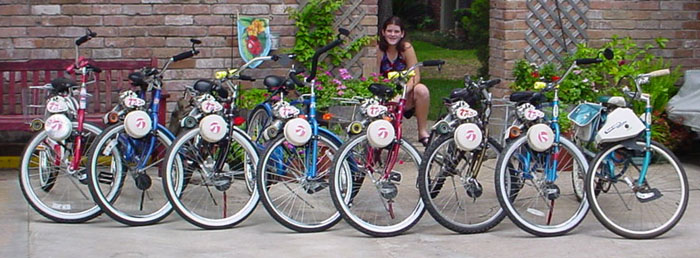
(375,79)
(329,73)
(336,81)
(386,80)
(340,93)
(363,79)
(622,62)
(266,95)
(319,87)
(341,87)
(375,75)
(344,74)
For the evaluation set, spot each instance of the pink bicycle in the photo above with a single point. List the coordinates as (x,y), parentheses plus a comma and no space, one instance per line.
(53,170)
(375,174)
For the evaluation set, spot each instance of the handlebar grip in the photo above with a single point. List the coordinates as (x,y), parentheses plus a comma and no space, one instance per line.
(661,72)
(491,83)
(85,38)
(318,53)
(185,55)
(344,31)
(433,62)
(295,79)
(246,78)
(584,61)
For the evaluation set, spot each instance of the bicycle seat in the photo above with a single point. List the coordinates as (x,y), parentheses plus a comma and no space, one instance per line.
(464,94)
(381,90)
(273,82)
(527,96)
(138,79)
(62,84)
(203,86)
(613,100)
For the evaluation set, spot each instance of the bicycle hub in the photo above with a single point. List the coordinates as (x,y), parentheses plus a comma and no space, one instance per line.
(388,190)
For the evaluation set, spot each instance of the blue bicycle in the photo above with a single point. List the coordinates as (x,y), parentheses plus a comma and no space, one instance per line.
(134,148)
(294,169)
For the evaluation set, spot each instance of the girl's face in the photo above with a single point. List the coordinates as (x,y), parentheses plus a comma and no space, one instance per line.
(393,34)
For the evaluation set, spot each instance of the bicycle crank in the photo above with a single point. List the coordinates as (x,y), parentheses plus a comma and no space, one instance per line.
(551,190)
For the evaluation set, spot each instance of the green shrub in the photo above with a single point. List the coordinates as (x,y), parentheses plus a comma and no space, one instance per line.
(475,22)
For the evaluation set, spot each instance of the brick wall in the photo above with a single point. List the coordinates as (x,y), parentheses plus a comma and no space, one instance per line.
(679,21)
(139,29)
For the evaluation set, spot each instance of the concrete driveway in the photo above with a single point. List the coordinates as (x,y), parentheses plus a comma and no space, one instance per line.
(24,233)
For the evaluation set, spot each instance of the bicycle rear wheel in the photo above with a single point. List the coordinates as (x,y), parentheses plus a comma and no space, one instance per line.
(662,198)
(47,184)
(141,198)
(205,197)
(290,196)
(377,206)
(534,204)
(458,194)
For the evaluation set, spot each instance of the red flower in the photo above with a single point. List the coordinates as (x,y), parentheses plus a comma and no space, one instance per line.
(536,74)
(622,62)
(555,78)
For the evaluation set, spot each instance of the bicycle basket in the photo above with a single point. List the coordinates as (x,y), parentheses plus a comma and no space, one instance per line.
(586,120)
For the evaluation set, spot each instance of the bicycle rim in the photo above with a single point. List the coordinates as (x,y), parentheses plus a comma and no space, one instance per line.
(50,188)
(617,207)
(141,197)
(377,207)
(299,203)
(456,197)
(530,202)
(205,197)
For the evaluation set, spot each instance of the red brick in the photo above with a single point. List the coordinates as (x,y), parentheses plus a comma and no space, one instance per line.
(119,42)
(187,63)
(5,43)
(165,52)
(138,53)
(13,32)
(27,42)
(119,20)
(685,34)
(133,31)
(692,25)
(167,9)
(107,9)
(97,42)
(23,20)
(46,9)
(87,20)
(196,9)
(137,9)
(56,20)
(127,1)
(76,9)
(691,6)
(41,31)
(219,31)
(58,42)
(178,20)
(64,1)
(15,9)
(14,54)
(44,53)
(103,32)
(671,5)
(149,20)
(149,41)
(671,24)
(225,8)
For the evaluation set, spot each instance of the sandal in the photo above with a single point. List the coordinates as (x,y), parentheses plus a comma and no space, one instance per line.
(425,141)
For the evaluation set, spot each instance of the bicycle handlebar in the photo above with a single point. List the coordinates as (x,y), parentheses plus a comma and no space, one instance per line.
(89,35)
(585,61)
(656,73)
(314,59)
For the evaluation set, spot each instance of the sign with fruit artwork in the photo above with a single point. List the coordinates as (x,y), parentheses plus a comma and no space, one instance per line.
(253,38)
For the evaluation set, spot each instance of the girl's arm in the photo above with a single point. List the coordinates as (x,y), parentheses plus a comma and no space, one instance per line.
(410,55)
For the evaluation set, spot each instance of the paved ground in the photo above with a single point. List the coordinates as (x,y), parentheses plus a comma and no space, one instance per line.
(24,233)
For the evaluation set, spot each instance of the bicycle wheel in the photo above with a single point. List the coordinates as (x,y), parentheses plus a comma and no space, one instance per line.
(377,206)
(257,122)
(458,194)
(663,196)
(212,199)
(47,184)
(535,205)
(141,199)
(289,195)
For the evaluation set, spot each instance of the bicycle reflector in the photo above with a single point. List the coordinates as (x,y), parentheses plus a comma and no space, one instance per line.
(514,132)
(327,116)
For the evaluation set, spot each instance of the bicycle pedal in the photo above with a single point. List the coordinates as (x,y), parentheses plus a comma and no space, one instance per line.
(395,176)
(647,195)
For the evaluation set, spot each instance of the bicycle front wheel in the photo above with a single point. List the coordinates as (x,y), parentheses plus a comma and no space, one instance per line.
(49,186)
(141,198)
(290,195)
(537,205)
(457,188)
(372,202)
(203,195)
(630,210)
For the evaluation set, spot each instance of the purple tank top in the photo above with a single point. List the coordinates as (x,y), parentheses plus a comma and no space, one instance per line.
(387,66)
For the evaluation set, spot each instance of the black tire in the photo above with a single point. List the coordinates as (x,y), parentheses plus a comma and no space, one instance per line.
(601,184)
(469,224)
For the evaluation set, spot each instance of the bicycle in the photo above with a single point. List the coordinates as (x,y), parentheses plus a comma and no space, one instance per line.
(653,192)
(528,169)
(391,203)
(449,177)
(52,171)
(291,175)
(134,147)
(203,164)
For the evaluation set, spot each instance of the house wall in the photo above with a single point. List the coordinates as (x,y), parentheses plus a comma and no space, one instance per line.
(679,21)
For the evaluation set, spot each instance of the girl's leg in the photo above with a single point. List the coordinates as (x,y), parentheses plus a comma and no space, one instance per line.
(421,100)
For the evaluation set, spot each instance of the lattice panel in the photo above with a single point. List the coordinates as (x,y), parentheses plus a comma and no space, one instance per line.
(550,38)
(350,18)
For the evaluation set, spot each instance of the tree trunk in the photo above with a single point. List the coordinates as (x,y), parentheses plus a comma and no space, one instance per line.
(384,12)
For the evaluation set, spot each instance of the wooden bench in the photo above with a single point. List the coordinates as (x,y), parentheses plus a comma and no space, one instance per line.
(17,76)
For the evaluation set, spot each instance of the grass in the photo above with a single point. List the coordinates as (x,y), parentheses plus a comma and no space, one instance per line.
(458,63)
